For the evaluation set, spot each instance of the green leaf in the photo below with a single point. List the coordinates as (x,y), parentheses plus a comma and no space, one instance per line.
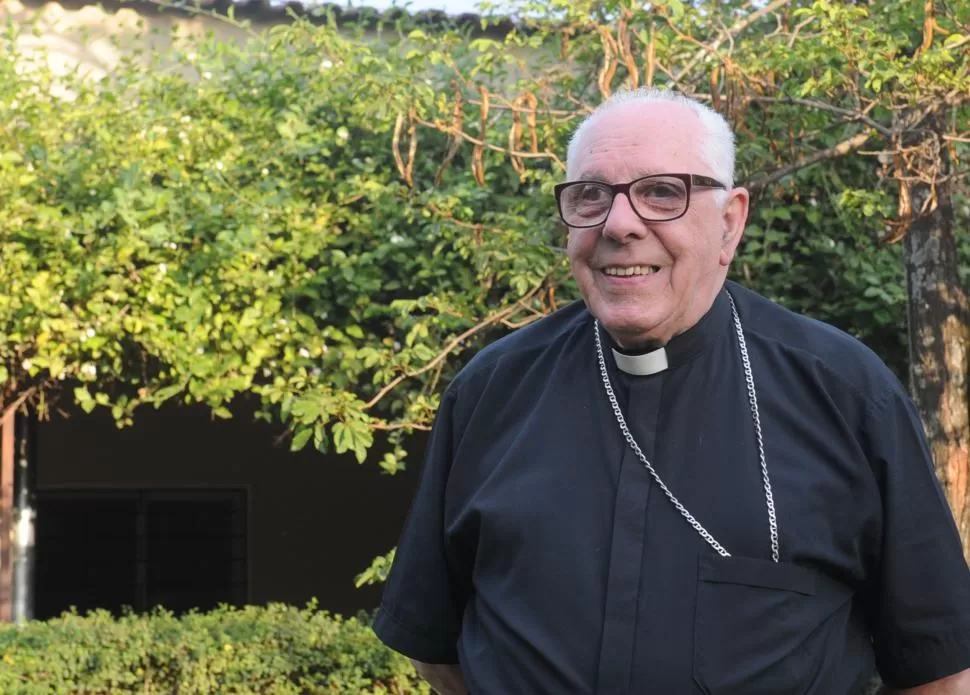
(306,410)
(342,438)
(482,45)
(83,398)
(676,9)
(423,352)
(301,438)
(286,405)
(370,357)
(163,394)
(11,157)
(953,39)
(389,463)
(378,571)
(320,441)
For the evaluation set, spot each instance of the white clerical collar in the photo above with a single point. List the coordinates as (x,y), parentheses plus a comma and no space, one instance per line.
(646,364)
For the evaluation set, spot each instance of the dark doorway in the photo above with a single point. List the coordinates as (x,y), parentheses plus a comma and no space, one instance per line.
(117,549)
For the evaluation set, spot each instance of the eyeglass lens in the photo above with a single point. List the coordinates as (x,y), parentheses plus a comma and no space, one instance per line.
(588,203)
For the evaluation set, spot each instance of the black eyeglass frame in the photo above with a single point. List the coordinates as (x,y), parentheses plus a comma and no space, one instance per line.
(690,181)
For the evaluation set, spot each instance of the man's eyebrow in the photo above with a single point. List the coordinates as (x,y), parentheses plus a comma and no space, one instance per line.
(598,176)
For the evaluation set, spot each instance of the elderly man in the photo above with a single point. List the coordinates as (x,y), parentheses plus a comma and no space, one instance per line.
(675,486)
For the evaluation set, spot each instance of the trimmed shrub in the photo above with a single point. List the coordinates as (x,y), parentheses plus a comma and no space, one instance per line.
(277,649)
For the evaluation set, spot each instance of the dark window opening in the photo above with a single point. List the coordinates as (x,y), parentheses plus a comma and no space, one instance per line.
(138,549)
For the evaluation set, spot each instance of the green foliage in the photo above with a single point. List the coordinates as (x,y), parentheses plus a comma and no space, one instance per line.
(832,72)
(235,220)
(815,249)
(333,222)
(378,571)
(259,650)
(797,84)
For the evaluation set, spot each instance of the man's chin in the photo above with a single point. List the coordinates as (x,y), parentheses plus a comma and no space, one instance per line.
(634,332)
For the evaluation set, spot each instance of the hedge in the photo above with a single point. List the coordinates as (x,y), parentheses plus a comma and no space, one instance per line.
(272,650)
(276,649)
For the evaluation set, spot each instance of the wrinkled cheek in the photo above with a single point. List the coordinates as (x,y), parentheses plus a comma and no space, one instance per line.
(583,277)
(591,291)
(679,274)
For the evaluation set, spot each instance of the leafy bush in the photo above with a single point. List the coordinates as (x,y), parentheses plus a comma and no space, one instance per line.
(332,221)
(238,219)
(276,649)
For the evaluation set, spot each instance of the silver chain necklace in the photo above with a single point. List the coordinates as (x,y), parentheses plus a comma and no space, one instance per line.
(755,417)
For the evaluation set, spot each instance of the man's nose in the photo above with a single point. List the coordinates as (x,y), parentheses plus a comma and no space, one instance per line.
(623,224)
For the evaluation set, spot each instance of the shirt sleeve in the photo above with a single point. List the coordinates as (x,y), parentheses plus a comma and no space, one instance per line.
(919,596)
(421,609)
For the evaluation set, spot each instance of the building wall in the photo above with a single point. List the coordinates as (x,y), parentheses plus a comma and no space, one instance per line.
(94,40)
(314,521)
(95,35)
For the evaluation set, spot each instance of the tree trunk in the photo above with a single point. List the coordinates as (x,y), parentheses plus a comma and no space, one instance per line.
(24,513)
(17,482)
(937,309)
(7,450)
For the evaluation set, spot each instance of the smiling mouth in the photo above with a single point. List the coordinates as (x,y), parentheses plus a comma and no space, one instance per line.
(617,271)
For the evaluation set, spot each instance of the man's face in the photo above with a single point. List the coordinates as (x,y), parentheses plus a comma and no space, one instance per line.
(685,259)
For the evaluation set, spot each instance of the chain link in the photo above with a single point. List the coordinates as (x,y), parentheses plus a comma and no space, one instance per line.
(755,416)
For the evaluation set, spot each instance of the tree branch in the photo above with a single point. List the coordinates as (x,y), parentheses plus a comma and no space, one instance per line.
(735,29)
(489,146)
(201,10)
(522,109)
(497,317)
(798,28)
(704,48)
(840,150)
(961,42)
(399,426)
(822,106)
(928,23)
(21,399)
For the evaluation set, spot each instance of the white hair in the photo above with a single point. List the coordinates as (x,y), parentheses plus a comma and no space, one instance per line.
(718,147)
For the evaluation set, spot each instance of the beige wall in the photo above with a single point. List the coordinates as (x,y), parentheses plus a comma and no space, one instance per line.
(78,33)
(95,40)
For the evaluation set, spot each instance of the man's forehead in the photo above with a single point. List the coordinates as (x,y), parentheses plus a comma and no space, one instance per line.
(645,119)
(639,139)
(615,159)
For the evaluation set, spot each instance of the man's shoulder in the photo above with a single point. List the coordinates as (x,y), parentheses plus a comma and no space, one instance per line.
(524,346)
(815,343)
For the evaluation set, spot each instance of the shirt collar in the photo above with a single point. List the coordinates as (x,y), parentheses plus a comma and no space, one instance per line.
(679,349)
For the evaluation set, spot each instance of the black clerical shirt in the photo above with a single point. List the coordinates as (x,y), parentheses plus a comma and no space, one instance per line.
(541,556)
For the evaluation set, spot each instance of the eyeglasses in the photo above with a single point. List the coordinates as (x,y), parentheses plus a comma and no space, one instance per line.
(654,198)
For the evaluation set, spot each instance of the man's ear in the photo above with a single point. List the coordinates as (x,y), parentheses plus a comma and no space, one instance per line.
(733,219)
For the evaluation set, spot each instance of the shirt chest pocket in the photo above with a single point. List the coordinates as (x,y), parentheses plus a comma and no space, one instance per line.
(760,627)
